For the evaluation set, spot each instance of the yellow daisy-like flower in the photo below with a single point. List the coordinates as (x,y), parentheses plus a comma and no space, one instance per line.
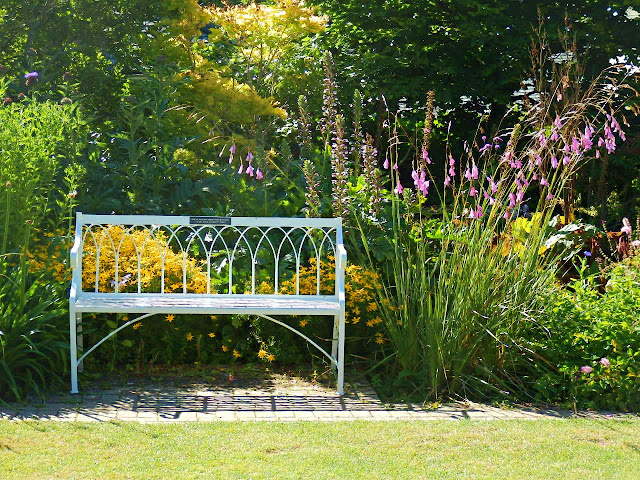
(372,307)
(137,325)
(212,334)
(370,323)
(169,318)
(213,317)
(125,319)
(379,339)
(262,353)
(225,348)
(236,354)
(189,337)
(355,320)
(303,323)
(271,357)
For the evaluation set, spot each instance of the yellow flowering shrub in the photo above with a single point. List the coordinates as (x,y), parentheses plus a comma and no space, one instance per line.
(150,263)
(361,285)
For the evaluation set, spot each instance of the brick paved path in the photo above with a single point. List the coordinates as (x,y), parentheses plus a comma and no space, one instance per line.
(290,400)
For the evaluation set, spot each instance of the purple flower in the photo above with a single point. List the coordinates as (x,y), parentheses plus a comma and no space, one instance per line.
(385,165)
(605,362)
(259,175)
(476,213)
(474,171)
(586,369)
(232,150)
(542,139)
(575,144)
(452,161)
(487,146)
(452,171)
(467,174)
(566,160)
(512,200)
(425,156)
(557,122)
(395,166)
(240,170)
(249,170)
(554,162)
(473,191)
(249,157)
(447,181)
(492,185)
(543,182)
(554,136)
(31,75)
(231,159)
(587,253)
(399,189)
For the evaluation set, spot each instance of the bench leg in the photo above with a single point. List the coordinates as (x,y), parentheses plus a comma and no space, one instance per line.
(73,348)
(80,340)
(341,333)
(334,342)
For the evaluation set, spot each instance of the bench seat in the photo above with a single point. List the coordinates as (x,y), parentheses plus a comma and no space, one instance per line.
(222,304)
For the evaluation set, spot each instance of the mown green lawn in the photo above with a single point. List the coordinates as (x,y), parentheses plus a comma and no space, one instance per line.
(511,449)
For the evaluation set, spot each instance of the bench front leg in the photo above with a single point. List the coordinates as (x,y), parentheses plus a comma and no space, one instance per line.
(341,334)
(73,349)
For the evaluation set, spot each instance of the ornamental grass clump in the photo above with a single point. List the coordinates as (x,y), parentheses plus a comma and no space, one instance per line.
(455,308)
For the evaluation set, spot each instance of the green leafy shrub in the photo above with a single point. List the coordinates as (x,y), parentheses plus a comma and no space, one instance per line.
(33,344)
(591,345)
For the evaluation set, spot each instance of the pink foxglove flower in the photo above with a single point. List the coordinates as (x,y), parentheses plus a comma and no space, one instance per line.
(395,166)
(259,175)
(467,174)
(554,162)
(399,188)
(473,191)
(447,181)
(554,136)
(566,160)
(385,165)
(249,170)
(232,150)
(249,157)
(241,169)
(543,182)
(626,226)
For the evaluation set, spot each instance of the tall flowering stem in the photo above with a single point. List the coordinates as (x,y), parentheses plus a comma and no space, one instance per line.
(313,187)
(340,171)
(428,127)
(372,175)
(329,99)
(358,138)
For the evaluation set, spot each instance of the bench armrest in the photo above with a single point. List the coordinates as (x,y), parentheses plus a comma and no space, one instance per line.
(74,252)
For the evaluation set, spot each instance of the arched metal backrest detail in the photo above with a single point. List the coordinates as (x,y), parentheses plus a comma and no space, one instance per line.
(236,255)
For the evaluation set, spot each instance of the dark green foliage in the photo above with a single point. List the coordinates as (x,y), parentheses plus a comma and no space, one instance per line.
(582,328)
(33,343)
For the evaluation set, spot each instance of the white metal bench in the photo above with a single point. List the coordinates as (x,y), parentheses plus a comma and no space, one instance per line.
(224,246)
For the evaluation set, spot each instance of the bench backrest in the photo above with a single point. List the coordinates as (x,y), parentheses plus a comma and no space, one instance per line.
(224,255)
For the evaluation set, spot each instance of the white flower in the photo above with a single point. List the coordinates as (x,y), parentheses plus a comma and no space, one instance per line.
(208,238)
(632,14)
